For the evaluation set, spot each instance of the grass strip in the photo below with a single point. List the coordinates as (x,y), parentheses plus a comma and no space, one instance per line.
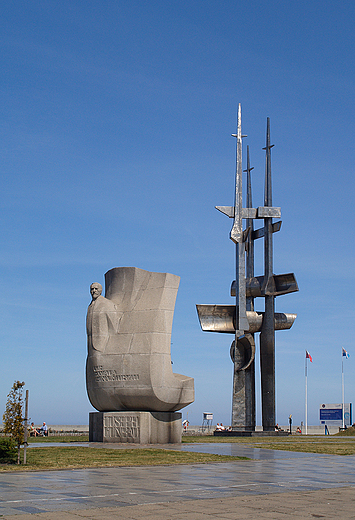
(326,445)
(82,457)
(321,447)
(58,438)
(346,433)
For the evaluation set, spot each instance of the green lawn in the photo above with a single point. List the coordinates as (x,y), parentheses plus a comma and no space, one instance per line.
(332,445)
(85,457)
(70,457)
(59,438)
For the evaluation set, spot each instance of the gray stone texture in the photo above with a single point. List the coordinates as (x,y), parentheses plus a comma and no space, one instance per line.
(135,427)
(276,484)
(129,334)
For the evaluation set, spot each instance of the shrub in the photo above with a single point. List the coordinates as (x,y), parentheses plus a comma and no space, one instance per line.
(13,416)
(8,450)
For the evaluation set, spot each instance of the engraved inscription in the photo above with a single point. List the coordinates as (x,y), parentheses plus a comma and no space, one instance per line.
(125,427)
(103,374)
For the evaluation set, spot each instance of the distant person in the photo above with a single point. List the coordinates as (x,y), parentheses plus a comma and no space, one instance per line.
(44,430)
(33,431)
(298,430)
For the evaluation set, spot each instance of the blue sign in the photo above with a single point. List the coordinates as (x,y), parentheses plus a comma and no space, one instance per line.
(330,414)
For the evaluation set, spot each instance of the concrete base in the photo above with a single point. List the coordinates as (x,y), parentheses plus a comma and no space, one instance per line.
(241,433)
(135,427)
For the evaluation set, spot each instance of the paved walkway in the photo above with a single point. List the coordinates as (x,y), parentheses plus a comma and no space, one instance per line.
(275,485)
(329,504)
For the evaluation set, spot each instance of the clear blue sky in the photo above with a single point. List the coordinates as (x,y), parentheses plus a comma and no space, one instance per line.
(115,147)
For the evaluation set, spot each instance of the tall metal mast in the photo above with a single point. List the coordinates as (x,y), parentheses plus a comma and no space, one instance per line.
(250,241)
(267,336)
(241,319)
(250,371)
(236,235)
(239,395)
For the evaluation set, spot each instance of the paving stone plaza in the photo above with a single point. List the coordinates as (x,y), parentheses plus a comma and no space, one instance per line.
(275,484)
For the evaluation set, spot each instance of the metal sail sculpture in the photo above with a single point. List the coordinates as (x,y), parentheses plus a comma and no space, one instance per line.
(241,319)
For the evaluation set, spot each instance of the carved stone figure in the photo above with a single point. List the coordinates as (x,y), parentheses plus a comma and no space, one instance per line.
(129,334)
(101,321)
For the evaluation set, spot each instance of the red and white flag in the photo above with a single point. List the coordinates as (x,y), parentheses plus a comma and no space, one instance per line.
(308,356)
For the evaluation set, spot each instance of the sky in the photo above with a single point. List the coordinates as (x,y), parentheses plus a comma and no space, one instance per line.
(116,123)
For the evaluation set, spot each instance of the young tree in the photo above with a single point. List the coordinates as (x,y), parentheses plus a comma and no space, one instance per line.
(13,416)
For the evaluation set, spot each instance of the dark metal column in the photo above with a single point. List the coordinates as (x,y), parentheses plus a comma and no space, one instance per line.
(267,336)
(250,371)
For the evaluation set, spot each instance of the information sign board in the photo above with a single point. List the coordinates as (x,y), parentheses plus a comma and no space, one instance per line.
(332,414)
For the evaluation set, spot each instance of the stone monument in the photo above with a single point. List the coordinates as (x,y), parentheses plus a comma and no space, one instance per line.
(129,376)
(241,319)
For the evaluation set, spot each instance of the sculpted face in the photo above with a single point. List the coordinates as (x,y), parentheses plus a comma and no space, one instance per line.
(95,290)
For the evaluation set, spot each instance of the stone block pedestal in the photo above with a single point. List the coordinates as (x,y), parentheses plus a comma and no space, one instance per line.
(135,427)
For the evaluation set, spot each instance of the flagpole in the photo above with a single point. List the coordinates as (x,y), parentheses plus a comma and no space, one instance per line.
(305,372)
(342,387)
